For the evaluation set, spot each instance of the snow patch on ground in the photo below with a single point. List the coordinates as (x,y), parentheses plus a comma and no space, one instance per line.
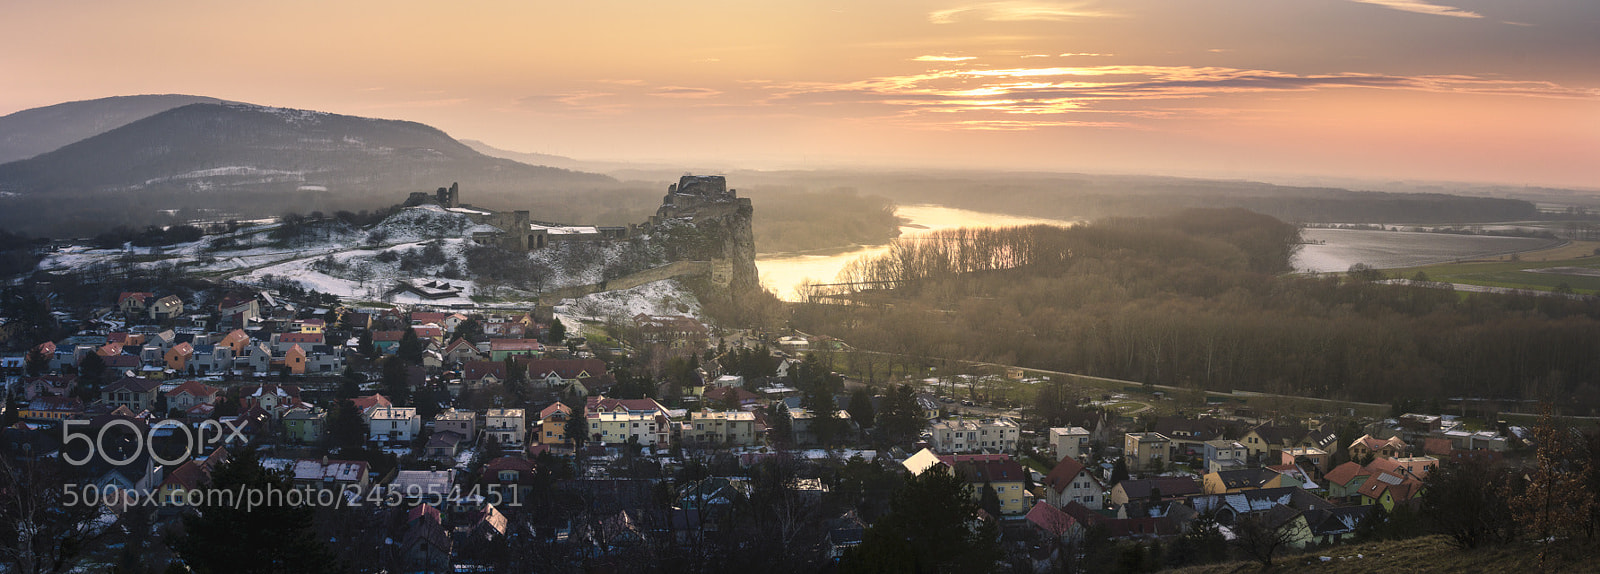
(665,297)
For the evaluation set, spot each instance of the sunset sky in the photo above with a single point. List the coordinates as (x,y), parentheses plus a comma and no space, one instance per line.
(1467,90)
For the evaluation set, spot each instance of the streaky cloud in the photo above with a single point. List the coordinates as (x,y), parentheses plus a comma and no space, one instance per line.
(1016,11)
(1422,7)
(943,58)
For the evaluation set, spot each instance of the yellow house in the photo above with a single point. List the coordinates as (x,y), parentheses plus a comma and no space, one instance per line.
(1388,490)
(553,424)
(1231,481)
(998,471)
(1378,448)
(311,325)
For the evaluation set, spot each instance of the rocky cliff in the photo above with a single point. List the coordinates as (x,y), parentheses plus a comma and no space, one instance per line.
(705,221)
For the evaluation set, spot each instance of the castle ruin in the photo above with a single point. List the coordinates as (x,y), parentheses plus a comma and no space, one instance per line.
(702,202)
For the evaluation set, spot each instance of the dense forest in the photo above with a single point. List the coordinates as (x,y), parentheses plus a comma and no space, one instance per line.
(1195,300)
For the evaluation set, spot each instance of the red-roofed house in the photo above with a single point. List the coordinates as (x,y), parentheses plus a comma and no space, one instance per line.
(426,317)
(476,374)
(426,332)
(1071,481)
(499,349)
(560,372)
(722,395)
(371,402)
(189,394)
(510,472)
(49,386)
(188,476)
(281,342)
(133,303)
(1390,490)
(1051,522)
(462,351)
(553,424)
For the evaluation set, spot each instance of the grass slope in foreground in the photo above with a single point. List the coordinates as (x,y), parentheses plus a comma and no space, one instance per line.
(1426,554)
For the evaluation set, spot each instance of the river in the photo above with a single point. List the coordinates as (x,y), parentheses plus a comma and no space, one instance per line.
(1334,250)
(781,273)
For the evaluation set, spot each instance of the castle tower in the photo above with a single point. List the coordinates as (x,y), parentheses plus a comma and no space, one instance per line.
(449,197)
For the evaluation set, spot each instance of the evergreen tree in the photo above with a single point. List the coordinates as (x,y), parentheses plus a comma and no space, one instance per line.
(395,383)
(860,408)
(266,539)
(780,431)
(91,374)
(38,363)
(929,528)
(471,330)
(364,344)
(577,428)
(350,385)
(1119,471)
(989,500)
(901,419)
(557,333)
(410,349)
(345,429)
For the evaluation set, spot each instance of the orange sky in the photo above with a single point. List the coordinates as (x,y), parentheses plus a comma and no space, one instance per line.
(1470,90)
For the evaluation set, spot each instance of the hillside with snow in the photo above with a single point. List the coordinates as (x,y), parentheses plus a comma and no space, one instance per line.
(421,244)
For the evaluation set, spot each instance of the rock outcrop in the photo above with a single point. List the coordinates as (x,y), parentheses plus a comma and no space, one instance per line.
(706,221)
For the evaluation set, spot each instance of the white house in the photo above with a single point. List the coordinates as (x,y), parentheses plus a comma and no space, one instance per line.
(394,424)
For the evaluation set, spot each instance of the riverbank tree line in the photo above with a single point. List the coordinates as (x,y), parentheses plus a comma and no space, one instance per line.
(1195,300)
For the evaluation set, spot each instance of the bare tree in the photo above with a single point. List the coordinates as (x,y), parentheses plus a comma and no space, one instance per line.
(1556,501)
(1260,538)
(43,532)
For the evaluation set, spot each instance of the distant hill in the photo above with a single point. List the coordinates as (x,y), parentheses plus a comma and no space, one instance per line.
(524,157)
(35,131)
(240,160)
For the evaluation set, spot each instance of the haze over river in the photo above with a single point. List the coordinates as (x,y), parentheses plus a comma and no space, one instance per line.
(1335,250)
(780,273)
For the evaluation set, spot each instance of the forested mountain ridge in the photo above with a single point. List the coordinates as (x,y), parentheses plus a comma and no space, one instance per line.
(34,131)
(247,160)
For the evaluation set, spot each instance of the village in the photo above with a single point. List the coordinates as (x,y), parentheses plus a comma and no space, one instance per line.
(497,437)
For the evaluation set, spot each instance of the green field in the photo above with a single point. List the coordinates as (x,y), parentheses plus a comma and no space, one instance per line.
(1511,274)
